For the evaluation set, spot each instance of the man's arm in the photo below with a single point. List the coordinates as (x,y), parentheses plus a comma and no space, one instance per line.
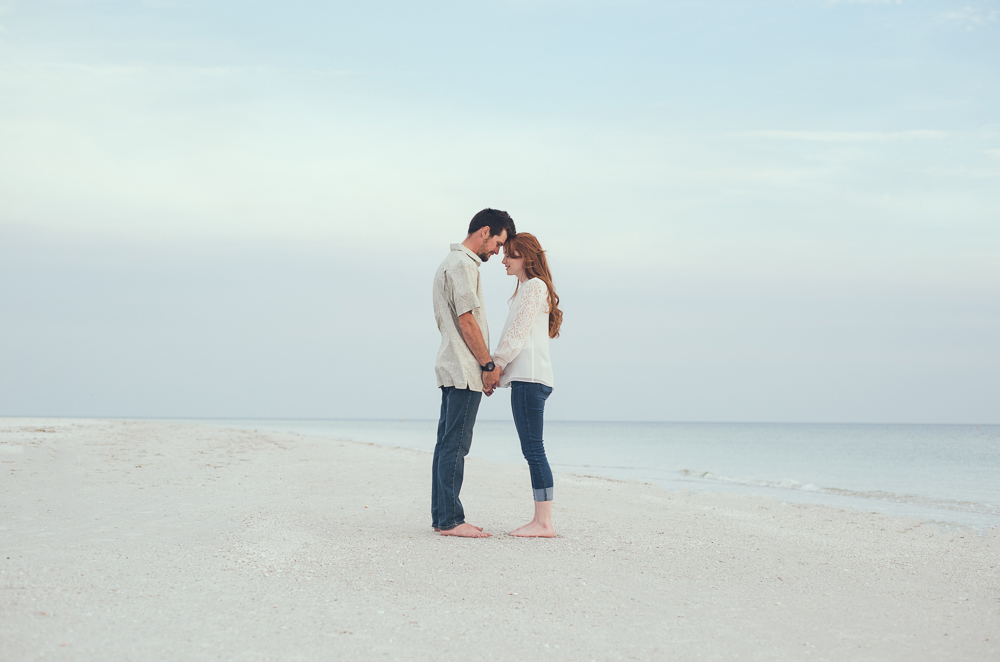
(473,336)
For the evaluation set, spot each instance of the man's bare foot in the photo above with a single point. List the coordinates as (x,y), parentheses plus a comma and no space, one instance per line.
(534,530)
(472,525)
(466,531)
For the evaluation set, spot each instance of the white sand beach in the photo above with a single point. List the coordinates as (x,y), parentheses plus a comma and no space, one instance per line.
(154,541)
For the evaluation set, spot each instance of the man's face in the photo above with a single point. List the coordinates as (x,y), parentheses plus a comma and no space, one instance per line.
(491,245)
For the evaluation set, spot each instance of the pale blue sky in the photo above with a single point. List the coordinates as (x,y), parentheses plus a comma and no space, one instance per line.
(756,210)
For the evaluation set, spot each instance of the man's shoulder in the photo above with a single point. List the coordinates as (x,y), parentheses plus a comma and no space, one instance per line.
(449,261)
(458,261)
(456,272)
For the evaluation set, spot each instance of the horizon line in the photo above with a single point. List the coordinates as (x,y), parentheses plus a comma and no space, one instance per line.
(485,420)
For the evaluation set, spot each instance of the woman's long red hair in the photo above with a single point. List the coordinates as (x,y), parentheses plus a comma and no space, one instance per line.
(526,247)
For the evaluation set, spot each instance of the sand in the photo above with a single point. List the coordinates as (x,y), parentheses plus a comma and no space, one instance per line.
(126,540)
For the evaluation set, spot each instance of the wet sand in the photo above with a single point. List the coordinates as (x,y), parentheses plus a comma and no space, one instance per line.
(152,541)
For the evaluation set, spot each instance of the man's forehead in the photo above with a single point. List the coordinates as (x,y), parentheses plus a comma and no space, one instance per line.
(502,237)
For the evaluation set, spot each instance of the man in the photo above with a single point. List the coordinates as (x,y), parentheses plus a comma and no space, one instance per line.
(464,366)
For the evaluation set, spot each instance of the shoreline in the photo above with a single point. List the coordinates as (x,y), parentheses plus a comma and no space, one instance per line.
(945,511)
(138,539)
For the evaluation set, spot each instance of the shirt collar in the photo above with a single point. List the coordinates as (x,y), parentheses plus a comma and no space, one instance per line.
(462,247)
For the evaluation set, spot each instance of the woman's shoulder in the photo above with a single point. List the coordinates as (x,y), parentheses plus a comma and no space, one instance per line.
(535,285)
(534,292)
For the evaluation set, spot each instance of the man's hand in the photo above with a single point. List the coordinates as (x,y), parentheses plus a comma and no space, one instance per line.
(491,380)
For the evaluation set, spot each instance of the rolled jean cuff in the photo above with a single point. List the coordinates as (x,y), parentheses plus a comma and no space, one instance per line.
(543,494)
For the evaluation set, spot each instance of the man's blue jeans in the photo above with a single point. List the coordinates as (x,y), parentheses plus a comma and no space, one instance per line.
(459,407)
(527,401)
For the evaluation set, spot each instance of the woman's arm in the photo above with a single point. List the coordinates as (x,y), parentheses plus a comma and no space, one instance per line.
(534,297)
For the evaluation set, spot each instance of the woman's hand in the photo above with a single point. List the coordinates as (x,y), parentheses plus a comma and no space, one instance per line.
(491,380)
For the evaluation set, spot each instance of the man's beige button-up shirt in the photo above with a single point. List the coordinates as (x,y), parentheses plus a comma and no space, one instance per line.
(458,290)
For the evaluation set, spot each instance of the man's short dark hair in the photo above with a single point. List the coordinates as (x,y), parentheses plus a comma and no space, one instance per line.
(496,219)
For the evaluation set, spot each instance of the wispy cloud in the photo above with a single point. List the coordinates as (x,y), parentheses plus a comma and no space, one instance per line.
(844,136)
(138,70)
(972,18)
(45,73)
(864,2)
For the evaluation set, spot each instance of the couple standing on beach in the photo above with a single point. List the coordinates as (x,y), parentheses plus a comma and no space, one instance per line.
(466,370)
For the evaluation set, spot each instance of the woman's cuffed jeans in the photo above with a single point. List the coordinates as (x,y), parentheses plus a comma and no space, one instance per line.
(459,407)
(527,401)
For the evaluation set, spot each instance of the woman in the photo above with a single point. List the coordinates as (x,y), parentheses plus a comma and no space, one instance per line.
(523,357)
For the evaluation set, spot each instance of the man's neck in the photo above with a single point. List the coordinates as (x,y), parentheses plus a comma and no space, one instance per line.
(471,243)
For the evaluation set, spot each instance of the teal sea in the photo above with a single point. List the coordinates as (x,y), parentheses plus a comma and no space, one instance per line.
(942,473)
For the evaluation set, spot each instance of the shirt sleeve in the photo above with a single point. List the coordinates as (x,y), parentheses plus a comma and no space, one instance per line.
(534,298)
(463,288)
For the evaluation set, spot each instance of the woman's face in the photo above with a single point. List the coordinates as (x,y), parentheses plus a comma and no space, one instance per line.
(515,265)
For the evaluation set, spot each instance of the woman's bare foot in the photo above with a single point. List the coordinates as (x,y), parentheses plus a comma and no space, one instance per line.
(523,526)
(534,530)
(540,526)
(466,531)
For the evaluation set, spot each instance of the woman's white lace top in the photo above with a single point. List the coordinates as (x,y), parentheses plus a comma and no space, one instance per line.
(523,352)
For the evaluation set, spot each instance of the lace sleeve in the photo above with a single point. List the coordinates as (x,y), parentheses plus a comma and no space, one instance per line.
(534,298)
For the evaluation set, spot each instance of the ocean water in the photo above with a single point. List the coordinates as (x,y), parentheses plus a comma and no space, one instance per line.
(948,474)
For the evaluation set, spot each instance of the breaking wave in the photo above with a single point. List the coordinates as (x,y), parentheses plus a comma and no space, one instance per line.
(880,495)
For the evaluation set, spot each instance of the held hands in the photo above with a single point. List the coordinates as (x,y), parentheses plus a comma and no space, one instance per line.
(491,380)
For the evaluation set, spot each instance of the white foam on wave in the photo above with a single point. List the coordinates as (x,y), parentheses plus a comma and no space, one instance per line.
(788,484)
